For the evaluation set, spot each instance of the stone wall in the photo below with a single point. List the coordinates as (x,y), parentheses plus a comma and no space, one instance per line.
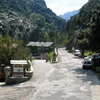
(18,79)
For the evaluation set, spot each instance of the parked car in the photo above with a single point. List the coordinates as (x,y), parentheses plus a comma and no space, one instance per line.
(96,60)
(91,61)
(87,63)
(77,53)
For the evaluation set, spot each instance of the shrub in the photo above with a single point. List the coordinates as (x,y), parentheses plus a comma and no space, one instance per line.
(52,56)
(89,53)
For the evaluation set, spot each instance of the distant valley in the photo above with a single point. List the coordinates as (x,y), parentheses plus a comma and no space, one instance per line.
(67,15)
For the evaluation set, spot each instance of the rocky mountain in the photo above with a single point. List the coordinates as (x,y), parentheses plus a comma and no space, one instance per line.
(21,18)
(67,15)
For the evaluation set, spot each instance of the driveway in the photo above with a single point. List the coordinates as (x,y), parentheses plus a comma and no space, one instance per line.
(65,80)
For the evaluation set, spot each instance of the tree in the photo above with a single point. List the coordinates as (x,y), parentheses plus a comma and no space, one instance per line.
(87,24)
(12,50)
(46,37)
(5,49)
(95,29)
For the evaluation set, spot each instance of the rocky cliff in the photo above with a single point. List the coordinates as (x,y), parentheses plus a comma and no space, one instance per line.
(19,18)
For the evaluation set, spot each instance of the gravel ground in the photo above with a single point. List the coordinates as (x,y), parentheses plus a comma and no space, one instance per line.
(95,92)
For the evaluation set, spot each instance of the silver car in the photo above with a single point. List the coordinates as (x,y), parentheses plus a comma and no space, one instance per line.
(87,63)
(77,53)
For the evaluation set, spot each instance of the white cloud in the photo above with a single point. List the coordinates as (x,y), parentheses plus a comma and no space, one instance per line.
(63,6)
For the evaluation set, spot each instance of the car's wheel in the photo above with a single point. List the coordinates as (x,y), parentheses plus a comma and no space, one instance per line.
(83,67)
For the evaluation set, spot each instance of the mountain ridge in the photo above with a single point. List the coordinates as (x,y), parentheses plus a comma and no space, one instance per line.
(67,15)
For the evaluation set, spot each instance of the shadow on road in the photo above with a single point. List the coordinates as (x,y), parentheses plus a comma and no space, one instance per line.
(87,76)
(76,57)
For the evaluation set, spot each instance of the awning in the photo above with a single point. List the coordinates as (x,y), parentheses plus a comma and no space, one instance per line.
(40,44)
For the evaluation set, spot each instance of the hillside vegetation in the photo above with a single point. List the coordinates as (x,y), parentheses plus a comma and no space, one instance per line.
(84,28)
(29,20)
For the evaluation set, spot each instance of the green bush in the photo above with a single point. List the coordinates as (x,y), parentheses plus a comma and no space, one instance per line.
(52,56)
(89,53)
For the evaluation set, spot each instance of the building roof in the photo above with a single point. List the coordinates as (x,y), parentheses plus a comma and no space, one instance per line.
(18,61)
(40,44)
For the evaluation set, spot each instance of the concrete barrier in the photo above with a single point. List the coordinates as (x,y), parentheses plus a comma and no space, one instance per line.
(17,79)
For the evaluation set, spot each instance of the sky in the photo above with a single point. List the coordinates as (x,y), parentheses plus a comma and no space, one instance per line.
(60,7)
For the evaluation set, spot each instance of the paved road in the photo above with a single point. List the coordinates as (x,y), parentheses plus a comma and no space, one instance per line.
(65,80)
